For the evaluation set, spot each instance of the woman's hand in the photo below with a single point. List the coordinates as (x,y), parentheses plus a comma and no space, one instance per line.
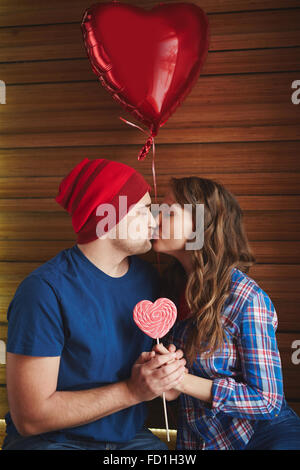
(160,349)
(189,384)
(153,374)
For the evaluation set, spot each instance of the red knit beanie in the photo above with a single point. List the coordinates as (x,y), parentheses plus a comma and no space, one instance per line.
(94,182)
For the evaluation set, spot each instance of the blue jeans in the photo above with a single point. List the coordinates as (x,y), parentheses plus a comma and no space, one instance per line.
(280,433)
(143,440)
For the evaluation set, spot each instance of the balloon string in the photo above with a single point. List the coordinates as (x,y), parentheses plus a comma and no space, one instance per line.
(153,170)
(141,156)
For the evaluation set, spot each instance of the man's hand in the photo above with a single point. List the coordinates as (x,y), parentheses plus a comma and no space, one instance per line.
(152,374)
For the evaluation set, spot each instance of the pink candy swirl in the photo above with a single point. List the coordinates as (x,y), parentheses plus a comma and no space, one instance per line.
(155,319)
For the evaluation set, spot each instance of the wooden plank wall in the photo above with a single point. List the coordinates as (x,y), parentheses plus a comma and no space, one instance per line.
(238,126)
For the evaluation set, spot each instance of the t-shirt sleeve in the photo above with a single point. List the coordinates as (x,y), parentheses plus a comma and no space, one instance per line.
(35,326)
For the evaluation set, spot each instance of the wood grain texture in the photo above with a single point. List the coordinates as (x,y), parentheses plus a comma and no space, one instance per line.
(201,159)
(232,108)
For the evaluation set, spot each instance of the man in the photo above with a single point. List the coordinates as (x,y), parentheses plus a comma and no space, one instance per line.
(78,368)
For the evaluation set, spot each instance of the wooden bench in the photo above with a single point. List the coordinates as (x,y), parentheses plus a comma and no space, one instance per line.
(3,409)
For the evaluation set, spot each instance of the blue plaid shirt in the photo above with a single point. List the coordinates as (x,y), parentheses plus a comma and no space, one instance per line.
(246,374)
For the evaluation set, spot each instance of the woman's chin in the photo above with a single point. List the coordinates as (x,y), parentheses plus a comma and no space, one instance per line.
(156,245)
(160,246)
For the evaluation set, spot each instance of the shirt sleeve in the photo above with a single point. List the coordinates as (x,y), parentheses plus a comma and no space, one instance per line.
(35,326)
(260,394)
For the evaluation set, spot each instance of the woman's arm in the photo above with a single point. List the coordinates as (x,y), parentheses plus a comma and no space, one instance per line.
(198,387)
(259,394)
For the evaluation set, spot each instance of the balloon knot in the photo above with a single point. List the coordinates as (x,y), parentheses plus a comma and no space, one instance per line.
(145,148)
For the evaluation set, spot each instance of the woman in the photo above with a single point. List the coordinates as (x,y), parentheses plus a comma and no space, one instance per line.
(232,396)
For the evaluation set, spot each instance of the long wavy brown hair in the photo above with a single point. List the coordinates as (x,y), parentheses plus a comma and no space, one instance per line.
(225,246)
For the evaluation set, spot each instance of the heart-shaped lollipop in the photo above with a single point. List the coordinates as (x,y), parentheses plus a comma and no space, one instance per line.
(155,319)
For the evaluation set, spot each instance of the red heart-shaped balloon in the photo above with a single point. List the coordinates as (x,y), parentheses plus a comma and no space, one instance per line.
(155,319)
(148,60)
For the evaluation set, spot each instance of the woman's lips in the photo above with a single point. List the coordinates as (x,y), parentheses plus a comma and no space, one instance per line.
(155,236)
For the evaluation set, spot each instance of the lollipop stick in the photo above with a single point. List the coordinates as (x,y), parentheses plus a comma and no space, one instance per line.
(165,409)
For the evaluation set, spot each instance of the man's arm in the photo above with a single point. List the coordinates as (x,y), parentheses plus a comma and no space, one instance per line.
(37,407)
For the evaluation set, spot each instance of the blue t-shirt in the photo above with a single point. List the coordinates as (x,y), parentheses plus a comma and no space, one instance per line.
(68,307)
